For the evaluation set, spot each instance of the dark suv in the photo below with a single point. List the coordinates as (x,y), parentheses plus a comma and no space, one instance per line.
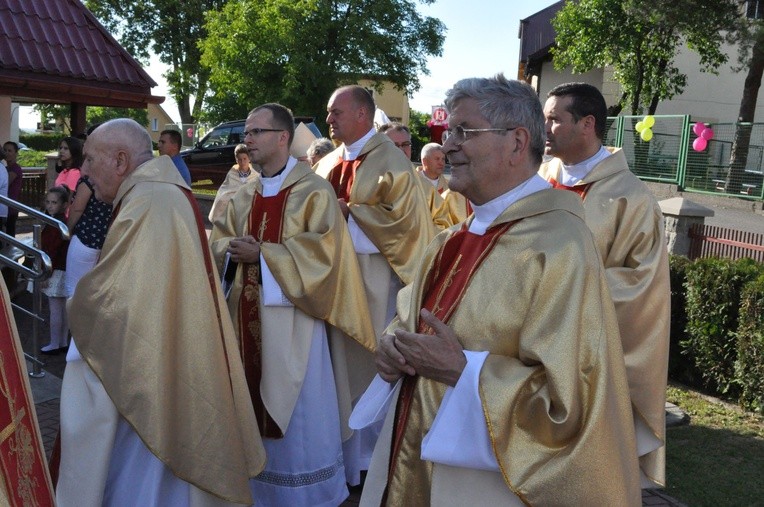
(212,157)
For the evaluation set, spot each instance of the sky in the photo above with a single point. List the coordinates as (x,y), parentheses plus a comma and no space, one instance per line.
(481,40)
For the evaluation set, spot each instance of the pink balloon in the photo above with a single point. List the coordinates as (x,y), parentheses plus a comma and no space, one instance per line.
(707,134)
(190,132)
(698,128)
(699,144)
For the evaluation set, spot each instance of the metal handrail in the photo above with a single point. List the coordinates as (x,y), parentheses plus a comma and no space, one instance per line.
(39,215)
(43,268)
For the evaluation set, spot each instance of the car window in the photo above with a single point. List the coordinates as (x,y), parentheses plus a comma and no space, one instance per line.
(237,135)
(217,138)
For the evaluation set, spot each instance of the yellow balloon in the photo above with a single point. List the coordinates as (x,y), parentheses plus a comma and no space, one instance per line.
(646,135)
(640,126)
(649,121)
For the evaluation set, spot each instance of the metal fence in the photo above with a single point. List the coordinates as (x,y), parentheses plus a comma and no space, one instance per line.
(715,241)
(731,161)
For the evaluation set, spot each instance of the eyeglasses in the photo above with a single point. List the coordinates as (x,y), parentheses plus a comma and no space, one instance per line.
(404,144)
(459,134)
(256,132)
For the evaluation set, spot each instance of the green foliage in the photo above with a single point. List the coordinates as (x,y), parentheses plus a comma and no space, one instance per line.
(639,39)
(41,142)
(420,133)
(55,114)
(298,52)
(713,302)
(33,158)
(749,368)
(96,115)
(172,30)
(681,367)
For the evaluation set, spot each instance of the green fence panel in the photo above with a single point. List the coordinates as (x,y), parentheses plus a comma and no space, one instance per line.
(670,155)
(712,171)
(662,157)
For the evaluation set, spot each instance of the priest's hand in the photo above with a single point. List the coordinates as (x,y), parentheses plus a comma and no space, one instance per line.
(390,363)
(245,249)
(344,208)
(439,357)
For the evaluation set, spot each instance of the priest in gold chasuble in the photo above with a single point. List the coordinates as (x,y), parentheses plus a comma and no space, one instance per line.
(510,384)
(628,227)
(389,223)
(154,403)
(297,288)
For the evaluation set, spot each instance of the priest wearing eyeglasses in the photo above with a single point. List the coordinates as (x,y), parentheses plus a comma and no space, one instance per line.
(501,381)
(297,288)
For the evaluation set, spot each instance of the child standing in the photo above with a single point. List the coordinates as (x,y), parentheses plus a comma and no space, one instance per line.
(56,204)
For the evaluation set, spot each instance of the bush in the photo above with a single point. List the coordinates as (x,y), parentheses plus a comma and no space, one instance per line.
(681,365)
(713,294)
(30,158)
(749,367)
(42,142)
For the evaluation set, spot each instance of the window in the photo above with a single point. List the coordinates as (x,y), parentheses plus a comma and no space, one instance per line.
(154,125)
(217,138)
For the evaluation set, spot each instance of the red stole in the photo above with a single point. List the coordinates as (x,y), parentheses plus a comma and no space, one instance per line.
(342,176)
(579,189)
(265,224)
(446,283)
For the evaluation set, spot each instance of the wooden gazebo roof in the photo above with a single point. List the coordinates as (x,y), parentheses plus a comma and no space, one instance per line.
(56,51)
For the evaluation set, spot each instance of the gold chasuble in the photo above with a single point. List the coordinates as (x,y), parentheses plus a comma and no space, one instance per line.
(24,478)
(305,243)
(150,321)
(454,209)
(434,196)
(627,224)
(386,201)
(552,387)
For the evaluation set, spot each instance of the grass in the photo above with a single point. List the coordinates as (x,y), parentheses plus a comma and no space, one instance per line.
(718,459)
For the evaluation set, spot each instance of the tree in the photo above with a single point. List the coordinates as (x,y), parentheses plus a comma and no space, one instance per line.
(639,39)
(297,52)
(61,114)
(97,114)
(172,30)
(751,55)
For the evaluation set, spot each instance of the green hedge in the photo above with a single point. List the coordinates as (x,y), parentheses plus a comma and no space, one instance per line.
(720,309)
(749,367)
(681,365)
(42,142)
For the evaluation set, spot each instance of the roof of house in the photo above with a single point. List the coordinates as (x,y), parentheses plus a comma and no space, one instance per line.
(537,34)
(57,51)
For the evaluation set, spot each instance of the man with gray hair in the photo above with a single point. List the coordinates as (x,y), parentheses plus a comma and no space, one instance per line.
(318,149)
(154,403)
(504,361)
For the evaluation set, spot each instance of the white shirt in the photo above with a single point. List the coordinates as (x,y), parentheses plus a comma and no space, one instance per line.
(572,174)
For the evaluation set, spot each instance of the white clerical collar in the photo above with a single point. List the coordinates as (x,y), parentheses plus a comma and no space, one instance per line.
(271,186)
(486,213)
(352,150)
(433,181)
(572,174)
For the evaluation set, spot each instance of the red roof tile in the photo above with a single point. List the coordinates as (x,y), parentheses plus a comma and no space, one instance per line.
(61,41)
